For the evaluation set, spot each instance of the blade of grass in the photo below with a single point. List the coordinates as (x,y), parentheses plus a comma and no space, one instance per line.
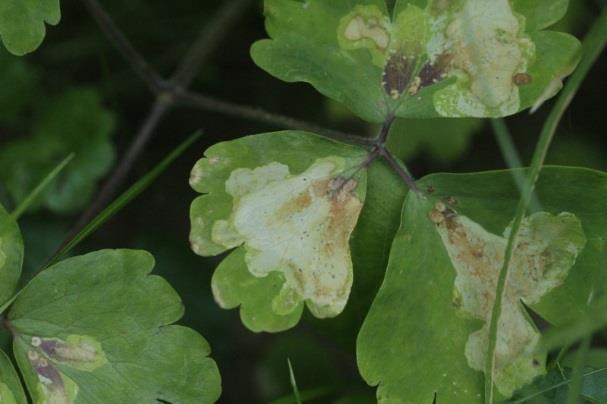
(593,45)
(124,199)
(27,202)
(555,386)
(294,383)
(513,160)
(575,389)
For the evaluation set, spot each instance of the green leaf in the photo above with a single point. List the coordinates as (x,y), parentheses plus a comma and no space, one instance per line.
(22,22)
(75,122)
(540,14)
(11,255)
(11,390)
(288,201)
(423,313)
(469,58)
(97,328)
(444,140)
(584,325)
(370,244)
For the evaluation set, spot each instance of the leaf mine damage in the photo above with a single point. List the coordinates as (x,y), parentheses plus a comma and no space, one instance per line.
(45,354)
(480,43)
(52,387)
(298,225)
(546,249)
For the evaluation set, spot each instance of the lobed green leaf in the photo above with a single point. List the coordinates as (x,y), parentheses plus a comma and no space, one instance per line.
(429,58)
(424,313)
(288,202)
(98,328)
(22,23)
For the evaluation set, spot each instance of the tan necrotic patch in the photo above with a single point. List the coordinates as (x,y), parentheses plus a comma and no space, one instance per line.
(546,249)
(299,225)
(489,48)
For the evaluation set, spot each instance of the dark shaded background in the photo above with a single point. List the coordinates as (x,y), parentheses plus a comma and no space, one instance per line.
(253,367)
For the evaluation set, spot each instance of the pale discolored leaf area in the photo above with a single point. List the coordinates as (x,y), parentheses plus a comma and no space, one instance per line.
(290,200)
(547,248)
(22,23)
(11,390)
(435,301)
(467,58)
(11,255)
(74,122)
(97,328)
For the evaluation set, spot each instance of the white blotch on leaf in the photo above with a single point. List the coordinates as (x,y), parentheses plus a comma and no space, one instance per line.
(489,48)
(546,249)
(480,43)
(366,27)
(299,225)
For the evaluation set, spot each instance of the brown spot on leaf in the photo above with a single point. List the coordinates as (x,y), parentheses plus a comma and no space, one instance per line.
(432,73)
(397,74)
(521,79)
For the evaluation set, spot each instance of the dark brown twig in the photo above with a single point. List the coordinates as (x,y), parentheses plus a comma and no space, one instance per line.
(122,44)
(207,41)
(397,166)
(204,102)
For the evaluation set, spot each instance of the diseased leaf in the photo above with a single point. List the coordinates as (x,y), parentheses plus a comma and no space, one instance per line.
(291,201)
(11,390)
(370,244)
(74,122)
(11,255)
(464,58)
(22,22)
(440,284)
(97,328)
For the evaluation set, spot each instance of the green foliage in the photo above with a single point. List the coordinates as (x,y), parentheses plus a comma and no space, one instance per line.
(98,328)
(11,255)
(554,386)
(423,312)
(11,390)
(288,201)
(22,23)
(92,349)
(74,122)
(456,62)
